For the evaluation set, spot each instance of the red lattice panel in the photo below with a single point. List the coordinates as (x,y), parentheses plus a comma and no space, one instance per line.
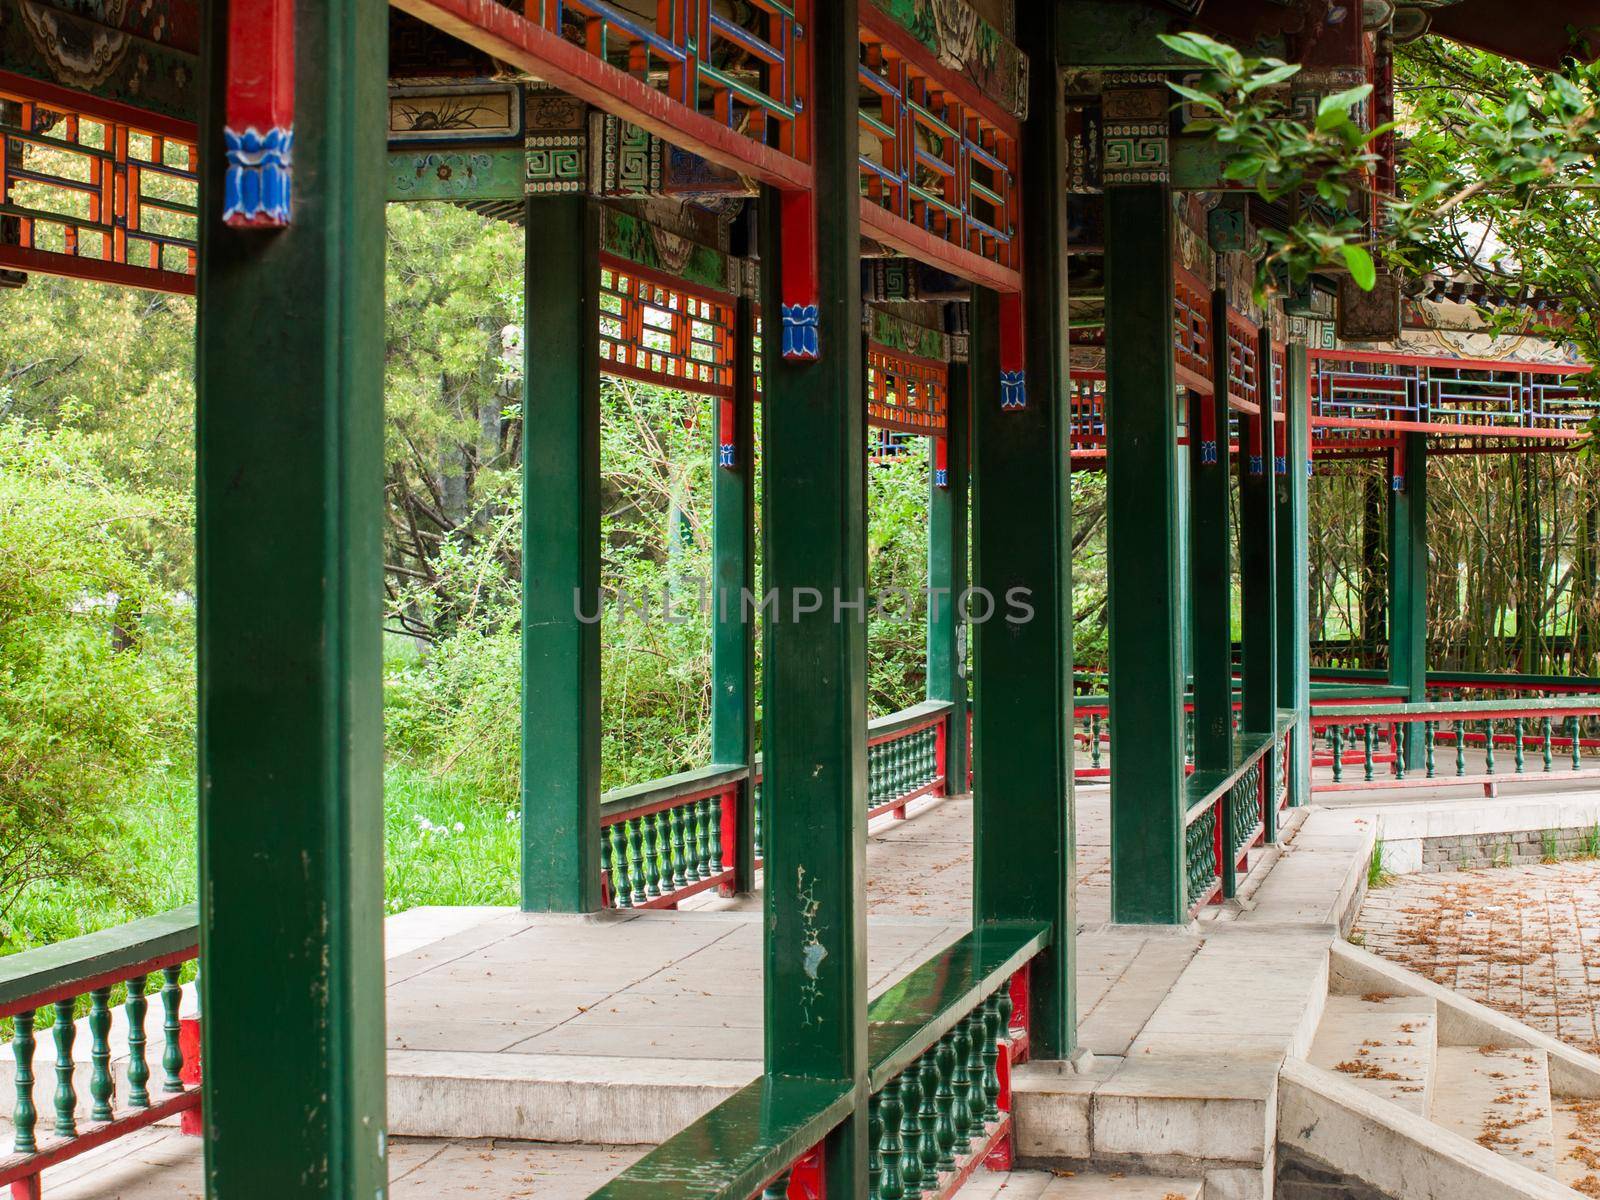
(92,198)
(1244,369)
(906,393)
(1191,332)
(662,331)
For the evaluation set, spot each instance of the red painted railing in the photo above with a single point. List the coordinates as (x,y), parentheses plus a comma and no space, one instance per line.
(58,979)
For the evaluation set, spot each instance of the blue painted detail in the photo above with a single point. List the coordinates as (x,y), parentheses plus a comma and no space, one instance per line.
(1208,453)
(1280,465)
(258,182)
(1013,389)
(1397,482)
(1311,469)
(1257,464)
(725,454)
(941,477)
(800,326)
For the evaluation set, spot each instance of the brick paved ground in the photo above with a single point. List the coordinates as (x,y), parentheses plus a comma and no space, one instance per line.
(1524,940)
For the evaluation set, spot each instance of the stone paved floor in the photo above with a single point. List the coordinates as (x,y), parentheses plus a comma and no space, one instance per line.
(1524,940)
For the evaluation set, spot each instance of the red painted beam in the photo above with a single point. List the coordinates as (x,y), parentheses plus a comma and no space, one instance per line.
(512,38)
(43,262)
(898,233)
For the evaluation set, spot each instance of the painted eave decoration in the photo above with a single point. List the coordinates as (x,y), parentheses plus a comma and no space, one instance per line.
(258,137)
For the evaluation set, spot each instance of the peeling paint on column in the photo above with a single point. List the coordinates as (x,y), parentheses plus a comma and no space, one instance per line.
(812,951)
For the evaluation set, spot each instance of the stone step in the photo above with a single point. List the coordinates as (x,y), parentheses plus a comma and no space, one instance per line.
(1500,1099)
(1081,1185)
(1576,1124)
(1385,1045)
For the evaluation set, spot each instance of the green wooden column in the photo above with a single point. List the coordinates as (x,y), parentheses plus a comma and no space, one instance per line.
(814,719)
(1211,567)
(1258,575)
(733,560)
(1147,778)
(561,558)
(1024,838)
(947,578)
(1294,573)
(1408,572)
(289,518)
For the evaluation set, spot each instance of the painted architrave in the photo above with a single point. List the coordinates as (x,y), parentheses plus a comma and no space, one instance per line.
(456,173)
(289,540)
(955,36)
(143,60)
(258,139)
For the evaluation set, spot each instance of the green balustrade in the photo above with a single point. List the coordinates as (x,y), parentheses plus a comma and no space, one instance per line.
(138,1064)
(64,1031)
(1516,754)
(1545,747)
(1430,733)
(1577,746)
(928,1113)
(1461,747)
(1397,739)
(1366,750)
(1338,753)
(172,1052)
(1200,854)
(24,1116)
(1488,747)
(911,1132)
(975,1090)
(945,1058)
(874,1154)
(100,1086)
(961,1085)
(891,1115)
(991,1058)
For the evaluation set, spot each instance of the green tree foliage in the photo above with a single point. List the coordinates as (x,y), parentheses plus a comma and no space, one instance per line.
(96,682)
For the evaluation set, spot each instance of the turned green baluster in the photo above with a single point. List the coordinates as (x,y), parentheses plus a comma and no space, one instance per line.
(778,1189)
(1338,753)
(1516,755)
(1544,729)
(892,1113)
(991,1059)
(945,1100)
(1397,737)
(1488,747)
(976,1099)
(636,871)
(961,1085)
(100,1088)
(1366,749)
(617,851)
(1094,739)
(679,859)
(608,870)
(66,1094)
(1461,747)
(911,1132)
(1429,733)
(874,1154)
(1577,746)
(702,838)
(138,1064)
(714,833)
(928,1115)
(652,864)
(25,1116)
(172,1052)
(1007,1007)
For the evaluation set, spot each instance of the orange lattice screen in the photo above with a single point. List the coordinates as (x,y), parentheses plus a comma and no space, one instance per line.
(662,331)
(906,393)
(93,198)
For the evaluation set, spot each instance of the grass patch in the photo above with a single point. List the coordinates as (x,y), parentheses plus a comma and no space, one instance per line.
(1377,874)
(442,845)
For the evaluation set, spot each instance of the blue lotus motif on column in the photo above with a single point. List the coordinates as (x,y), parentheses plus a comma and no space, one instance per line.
(800,329)
(1013,389)
(257,187)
